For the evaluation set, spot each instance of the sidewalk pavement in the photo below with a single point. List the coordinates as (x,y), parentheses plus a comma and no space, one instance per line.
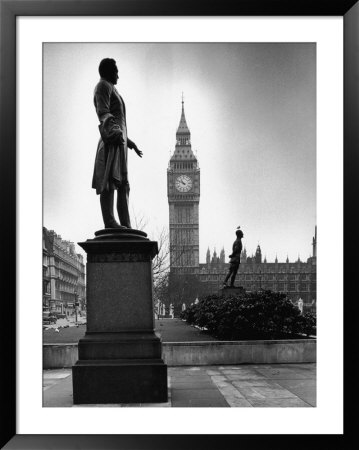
(262,385)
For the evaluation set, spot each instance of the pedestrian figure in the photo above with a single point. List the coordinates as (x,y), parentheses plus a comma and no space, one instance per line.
(235,258)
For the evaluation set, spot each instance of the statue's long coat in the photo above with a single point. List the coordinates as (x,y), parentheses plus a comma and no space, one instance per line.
(110,169)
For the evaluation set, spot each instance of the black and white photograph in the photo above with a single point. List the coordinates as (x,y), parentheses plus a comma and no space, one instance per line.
(179,224)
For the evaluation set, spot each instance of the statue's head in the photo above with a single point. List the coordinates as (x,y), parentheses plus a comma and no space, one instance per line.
(108,70)
(239,233)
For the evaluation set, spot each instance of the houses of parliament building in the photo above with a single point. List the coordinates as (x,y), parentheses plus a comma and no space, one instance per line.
(296,279)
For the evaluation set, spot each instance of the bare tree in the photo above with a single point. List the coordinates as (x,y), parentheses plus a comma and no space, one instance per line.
(161,268)
(140,220)
(168,288)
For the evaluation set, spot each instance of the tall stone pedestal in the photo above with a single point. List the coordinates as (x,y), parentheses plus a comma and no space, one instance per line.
(120,355)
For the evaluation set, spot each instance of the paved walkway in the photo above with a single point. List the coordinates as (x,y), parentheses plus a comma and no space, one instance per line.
(262,385)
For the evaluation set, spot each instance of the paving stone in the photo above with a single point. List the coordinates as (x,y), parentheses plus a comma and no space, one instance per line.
(278,403)
(232,396)
(230,392)
(240,376)
(246,368)
(201,403)
(304,389)
(300,366)
(191,385)
(182,378)
(264,366)
(252,383)
(48,385)
(216,378)
(308,398)
(281,373)
(184,373)
(222,384)
(189,375)
(60,395)
(238,403)
(56,374)
(213,372)
(295,384)
(237,372)
(263,392)
(185,394)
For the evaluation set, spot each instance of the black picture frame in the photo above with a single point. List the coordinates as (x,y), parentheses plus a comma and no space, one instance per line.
(9,10)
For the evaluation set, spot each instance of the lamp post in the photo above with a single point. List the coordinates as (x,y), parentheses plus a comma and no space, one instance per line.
(76,304)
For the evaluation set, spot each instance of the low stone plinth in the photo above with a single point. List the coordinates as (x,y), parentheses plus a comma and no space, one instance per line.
(228,291)
(120,356)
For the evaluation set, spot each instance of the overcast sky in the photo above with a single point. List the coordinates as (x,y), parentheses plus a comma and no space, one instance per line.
(251,110)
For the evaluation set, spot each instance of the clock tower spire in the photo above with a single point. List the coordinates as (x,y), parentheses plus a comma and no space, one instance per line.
(183,191)
(183,135)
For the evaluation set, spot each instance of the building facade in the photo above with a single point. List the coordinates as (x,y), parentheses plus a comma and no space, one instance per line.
(63,275)
(296,279)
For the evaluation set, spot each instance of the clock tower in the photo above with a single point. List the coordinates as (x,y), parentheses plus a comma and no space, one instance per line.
(183,191)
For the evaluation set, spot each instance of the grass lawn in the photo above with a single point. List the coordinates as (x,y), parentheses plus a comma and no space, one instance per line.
(171,330)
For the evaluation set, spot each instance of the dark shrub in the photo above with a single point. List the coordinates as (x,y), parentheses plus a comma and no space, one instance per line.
(309,326)
(254,315)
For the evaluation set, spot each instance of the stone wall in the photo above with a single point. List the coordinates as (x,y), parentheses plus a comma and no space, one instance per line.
(206,353)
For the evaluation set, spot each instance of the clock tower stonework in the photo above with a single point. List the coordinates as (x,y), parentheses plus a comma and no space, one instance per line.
(183,191)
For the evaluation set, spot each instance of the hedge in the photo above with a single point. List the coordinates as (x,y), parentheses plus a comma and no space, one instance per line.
(253,315)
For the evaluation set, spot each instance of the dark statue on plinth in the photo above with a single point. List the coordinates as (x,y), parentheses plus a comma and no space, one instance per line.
(110,172)
(120,356)
(235,259)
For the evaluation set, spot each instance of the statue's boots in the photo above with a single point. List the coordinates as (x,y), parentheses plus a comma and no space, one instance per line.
(106,200)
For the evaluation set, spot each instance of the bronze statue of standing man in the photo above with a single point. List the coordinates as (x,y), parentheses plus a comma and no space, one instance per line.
(235,258)
(110,172)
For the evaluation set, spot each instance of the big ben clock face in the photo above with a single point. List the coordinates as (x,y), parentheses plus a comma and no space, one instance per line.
(183,183)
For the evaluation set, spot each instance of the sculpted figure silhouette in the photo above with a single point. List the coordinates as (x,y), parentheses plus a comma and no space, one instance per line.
(235,258)
(110,171)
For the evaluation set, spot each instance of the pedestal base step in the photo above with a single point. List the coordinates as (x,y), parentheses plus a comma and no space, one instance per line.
(119,381)
(120,346)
